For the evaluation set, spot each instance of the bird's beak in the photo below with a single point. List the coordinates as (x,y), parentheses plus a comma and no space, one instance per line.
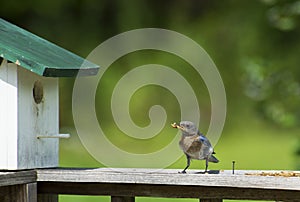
(175,125)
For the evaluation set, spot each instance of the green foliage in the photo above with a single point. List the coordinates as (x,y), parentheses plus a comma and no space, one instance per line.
(270,64)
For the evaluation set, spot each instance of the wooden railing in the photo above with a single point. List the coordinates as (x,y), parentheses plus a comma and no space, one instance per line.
(124,185)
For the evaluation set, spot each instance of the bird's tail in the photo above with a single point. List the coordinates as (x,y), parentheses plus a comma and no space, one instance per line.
(213,159)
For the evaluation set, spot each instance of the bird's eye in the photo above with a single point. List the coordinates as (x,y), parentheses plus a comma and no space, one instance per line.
(187,125)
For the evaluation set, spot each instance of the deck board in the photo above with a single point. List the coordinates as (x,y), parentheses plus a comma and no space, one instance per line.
(168,183)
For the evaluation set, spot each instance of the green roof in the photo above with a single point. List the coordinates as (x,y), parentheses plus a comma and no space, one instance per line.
(39,55)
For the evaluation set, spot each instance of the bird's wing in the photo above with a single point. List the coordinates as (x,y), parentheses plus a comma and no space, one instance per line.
(204,141)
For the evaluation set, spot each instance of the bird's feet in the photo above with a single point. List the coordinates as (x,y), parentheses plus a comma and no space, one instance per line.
(182,172)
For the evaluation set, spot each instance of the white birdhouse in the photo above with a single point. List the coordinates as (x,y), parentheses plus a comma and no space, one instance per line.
(29,109)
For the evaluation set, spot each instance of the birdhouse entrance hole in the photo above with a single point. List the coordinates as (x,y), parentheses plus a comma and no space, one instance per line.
(38,92)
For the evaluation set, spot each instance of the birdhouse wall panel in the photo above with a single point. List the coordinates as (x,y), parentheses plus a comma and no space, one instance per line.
(37,117)
(8,116)
(28,109)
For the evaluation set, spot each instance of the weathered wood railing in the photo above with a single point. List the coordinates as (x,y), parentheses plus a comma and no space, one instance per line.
(44,185)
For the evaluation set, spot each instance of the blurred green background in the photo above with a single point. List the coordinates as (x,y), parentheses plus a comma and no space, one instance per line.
(254,44)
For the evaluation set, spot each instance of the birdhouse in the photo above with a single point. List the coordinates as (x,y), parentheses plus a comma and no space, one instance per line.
(29,109)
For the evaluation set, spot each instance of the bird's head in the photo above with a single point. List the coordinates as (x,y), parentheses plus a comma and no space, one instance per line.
(188,128)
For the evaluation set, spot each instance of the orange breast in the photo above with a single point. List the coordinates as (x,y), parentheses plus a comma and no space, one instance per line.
(191,146)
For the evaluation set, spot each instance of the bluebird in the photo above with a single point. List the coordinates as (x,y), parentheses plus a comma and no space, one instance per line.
(194,144)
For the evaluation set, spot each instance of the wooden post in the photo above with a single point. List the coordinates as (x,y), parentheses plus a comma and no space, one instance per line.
(122,199)
(20,193)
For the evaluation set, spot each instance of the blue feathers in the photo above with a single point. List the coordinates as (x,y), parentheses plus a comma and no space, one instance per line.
(202,138)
